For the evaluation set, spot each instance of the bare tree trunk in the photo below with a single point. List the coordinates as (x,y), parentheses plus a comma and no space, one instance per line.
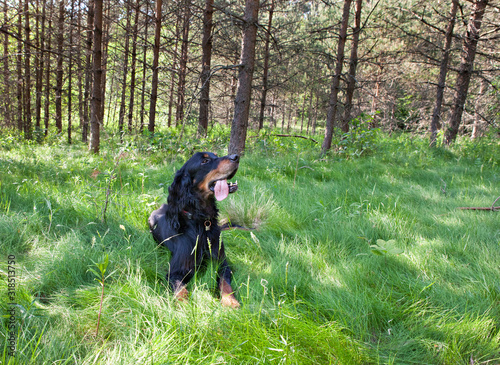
(70,72)
(106,25)
(144,69)
(48,85)
(88,73)
(476,128)
(79,65)
(465,71)
(353,64)
(59,72)
(436,115)
(133,66)
(156,53)
(40,43)
(6,68)
(121,115)
(332,110)
(173,73)
(96,103)
(28,129)
(243,95)
(266,67)
(206,45)
(19,67)
(181,89)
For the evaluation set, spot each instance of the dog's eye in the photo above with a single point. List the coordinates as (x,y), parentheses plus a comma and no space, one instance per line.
(205,161)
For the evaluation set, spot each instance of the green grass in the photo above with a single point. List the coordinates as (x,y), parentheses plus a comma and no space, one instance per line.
(312,290)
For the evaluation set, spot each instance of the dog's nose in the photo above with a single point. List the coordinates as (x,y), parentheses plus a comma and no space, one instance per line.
(234,157)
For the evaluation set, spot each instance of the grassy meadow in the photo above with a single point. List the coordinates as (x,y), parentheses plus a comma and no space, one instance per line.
(357,257)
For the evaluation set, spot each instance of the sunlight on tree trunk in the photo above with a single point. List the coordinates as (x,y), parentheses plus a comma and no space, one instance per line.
(465,71)
(244,91)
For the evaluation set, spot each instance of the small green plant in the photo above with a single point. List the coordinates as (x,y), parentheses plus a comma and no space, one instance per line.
(102,266)
(382,248)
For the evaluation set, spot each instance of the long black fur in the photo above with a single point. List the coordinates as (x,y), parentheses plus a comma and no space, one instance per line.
(188,224)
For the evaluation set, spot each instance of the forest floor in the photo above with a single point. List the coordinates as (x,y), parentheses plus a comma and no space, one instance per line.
(349,260)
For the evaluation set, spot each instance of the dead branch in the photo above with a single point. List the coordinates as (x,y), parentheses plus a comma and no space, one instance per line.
(295,136)
(492,208)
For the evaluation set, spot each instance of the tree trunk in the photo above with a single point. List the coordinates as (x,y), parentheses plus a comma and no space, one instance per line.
(353,64)
(332,110)
(79,65)
(19,67)
(40,42)
(144,69)
(48,84)
(156,53)
(173,73)
(6,70)
(121,115)
(476,128)
(206,45)
(106,25)
(88,73)
(59,72)
(70,72)
(28,129)
(181,89)
(465,69)
(266,67)
(244,92)
(133,66)
(436,115)
(96,103)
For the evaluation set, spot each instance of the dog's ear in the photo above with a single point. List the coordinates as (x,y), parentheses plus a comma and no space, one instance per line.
(180,193)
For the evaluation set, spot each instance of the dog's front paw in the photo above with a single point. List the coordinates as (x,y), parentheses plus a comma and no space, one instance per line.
(230,300)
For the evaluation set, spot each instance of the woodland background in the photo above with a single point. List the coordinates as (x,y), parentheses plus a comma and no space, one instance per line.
(374,239)
(314,67)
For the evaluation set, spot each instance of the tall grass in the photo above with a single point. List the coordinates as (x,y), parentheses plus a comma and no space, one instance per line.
(312,290)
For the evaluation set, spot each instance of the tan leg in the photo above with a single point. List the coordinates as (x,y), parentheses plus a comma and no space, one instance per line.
(226,294)
(181,294)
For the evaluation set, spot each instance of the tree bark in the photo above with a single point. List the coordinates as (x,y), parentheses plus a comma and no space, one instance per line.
(40,42)
(244,90)
(28,129)
(48,85)
(156,54)
(6,70)
(121,115)
(266,67)
(96,103)
(19,69)
(144,69)
(332,110)
(173,73)
(465,71)
(59,72)
(70,73)
(476,128)
(88,73)
(206,46)
(436,115)
(353,64)
(133,66)
(181,89)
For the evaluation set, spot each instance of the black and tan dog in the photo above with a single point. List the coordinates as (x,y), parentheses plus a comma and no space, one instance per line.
(188,224)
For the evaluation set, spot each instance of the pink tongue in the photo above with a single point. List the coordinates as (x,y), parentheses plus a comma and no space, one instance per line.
(221,190)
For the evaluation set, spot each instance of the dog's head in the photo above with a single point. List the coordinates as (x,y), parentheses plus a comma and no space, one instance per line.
(206,175)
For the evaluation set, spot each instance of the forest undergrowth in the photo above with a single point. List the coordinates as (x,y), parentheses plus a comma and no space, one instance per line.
(360,256)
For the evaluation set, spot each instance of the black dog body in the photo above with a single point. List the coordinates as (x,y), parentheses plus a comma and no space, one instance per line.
(188,224)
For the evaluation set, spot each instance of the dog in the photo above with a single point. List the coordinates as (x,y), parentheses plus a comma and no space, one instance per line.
(188,224)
